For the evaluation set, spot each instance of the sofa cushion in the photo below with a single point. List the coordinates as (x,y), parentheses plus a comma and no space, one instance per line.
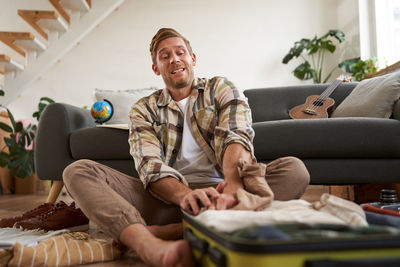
(353,171)
(327,138)
(100,143)
(371,98)
(122,101)
(316,138)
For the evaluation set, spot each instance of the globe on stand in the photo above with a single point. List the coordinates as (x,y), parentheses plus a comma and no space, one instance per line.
(102,111)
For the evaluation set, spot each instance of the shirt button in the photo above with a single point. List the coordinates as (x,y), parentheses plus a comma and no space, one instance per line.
(174,151)
(179,126)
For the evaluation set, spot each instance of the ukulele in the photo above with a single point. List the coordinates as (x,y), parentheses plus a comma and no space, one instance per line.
(318,106)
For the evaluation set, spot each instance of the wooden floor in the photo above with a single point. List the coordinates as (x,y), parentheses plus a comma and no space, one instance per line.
(13,205)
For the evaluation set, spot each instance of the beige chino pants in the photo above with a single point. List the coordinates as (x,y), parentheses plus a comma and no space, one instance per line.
(113,200)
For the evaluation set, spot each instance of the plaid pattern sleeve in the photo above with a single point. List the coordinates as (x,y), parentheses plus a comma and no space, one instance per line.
(148,133)
(234,119)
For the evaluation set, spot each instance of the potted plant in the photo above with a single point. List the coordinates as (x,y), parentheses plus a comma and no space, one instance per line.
(17,153)
(315,49)
(359,68)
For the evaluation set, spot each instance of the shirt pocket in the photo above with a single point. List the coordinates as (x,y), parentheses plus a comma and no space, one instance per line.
(207,119)
(161,131)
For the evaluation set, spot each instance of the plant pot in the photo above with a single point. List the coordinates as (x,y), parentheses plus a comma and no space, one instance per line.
(6,178)
(26,185)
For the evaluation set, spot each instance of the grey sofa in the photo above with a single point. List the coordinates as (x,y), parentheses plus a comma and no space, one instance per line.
(335,150)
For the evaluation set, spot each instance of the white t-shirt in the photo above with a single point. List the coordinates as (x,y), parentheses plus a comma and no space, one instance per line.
(191,161)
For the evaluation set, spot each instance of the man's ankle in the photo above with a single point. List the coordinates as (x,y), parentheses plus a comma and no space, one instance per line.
(132,234)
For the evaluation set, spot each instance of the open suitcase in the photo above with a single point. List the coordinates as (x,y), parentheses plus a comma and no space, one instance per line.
(367,246)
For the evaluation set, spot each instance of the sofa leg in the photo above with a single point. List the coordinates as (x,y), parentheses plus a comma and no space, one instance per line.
(54,191)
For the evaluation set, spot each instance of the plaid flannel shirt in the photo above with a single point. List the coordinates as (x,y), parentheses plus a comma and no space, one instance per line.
(219,116)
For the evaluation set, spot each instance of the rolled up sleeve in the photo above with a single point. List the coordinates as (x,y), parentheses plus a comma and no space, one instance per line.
(234,121)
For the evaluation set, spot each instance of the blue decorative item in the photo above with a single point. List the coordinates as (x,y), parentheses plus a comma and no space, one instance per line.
(102,111)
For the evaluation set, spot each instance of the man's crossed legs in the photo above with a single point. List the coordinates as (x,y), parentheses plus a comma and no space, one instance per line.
(120,206)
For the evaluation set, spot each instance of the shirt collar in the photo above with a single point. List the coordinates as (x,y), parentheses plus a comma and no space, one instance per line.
(165,97)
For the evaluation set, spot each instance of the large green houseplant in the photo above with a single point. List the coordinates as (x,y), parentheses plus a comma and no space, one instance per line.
(314,50)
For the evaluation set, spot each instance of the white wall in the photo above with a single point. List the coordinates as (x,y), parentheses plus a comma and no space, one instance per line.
(243,40)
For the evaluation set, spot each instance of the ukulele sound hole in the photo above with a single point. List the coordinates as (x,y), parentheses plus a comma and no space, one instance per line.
(318,103)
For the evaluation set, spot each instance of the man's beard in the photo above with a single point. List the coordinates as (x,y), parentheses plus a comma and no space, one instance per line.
(179,84)
(182,84)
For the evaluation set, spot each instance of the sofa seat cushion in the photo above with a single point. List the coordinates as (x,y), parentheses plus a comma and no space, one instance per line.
(100,143)
(327,138)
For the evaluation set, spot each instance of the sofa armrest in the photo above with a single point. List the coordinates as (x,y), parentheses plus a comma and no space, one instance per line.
(52,149)
(396,110)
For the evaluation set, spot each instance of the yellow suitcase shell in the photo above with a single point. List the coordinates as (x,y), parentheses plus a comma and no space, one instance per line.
(211,248)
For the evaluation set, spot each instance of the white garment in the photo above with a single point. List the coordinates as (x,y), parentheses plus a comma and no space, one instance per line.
(329,209)
(9,236)
(192,162)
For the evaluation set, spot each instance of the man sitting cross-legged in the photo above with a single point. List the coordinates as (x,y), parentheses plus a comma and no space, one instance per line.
(185,140)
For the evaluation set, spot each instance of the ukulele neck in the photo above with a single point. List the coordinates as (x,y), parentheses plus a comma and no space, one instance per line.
(328,91)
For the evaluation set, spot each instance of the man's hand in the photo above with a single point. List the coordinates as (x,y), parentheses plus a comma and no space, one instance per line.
(225,200)
(203,197)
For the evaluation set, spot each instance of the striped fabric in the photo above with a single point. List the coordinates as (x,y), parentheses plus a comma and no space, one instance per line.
(64,250)
(219,116)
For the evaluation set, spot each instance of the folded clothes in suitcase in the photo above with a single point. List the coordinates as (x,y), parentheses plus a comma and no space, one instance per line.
(293,244)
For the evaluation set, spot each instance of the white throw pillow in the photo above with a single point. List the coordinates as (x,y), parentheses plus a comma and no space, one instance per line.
(373,97)
(122,101)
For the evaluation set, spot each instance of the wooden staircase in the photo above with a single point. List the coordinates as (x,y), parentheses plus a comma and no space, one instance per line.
(44,19)
(52,34)
(7,65)
(22,41)
(26,55)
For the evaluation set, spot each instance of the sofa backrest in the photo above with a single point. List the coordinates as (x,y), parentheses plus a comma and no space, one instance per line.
(274,103)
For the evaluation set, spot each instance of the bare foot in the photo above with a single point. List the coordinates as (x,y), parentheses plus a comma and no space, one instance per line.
(158,252)
(155,251)
(173,231)
(177,254)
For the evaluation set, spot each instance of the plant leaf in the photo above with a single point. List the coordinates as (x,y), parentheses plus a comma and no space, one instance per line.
(10,142)
(347,65)
(328,45)
(313,49)
(22,165)
(47,99)
(303,71)
(5,127)
(338,34)
(18,127)
(287,58)
(41,106)
(10,115)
